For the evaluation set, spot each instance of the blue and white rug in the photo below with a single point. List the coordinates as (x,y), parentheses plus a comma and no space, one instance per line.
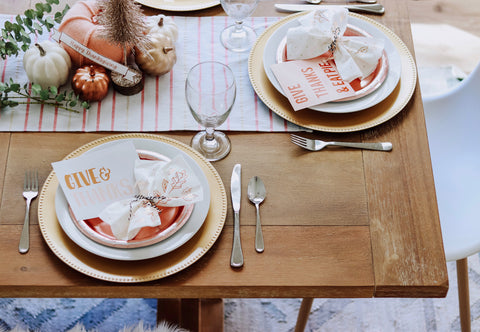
(65,314)
(255,315)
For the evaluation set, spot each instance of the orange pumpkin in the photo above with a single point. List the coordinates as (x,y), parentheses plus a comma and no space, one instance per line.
(80,24)
(91,82)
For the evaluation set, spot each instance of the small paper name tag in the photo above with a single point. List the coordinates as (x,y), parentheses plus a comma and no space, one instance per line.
(311,82)
(94,180)
(126,72)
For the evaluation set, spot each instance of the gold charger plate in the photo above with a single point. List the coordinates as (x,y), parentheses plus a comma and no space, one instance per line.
(142,270)
(179,5)
(333,122)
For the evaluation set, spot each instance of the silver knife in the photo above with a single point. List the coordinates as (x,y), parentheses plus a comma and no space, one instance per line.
(236,259)
(369,8)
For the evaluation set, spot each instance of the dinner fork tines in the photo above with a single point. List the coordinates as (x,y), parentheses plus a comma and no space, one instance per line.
(316,145)
(30,191)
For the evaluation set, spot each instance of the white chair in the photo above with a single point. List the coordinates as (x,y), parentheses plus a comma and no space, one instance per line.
(453,127)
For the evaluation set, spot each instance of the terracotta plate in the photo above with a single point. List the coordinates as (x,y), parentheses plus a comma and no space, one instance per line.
(268,43)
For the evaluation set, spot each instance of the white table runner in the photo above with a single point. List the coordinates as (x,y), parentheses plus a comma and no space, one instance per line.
(161,105)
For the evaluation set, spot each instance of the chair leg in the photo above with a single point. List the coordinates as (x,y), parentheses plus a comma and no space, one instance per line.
(463,294)
(303,314)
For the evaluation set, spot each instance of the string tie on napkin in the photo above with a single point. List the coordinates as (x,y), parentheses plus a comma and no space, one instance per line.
(333,45)
(146,200)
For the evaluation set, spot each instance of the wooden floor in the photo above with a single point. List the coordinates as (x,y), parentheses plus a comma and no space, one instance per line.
(462,14)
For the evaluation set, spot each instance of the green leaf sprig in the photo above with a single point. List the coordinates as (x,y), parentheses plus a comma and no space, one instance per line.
(12,94)
(16,37)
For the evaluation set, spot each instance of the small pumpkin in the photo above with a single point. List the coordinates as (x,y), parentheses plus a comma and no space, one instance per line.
(161,55)
(91,82)
(163,25)
(80,23)
(47,64)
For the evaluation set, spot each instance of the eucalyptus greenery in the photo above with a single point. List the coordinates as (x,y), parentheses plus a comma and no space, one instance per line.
(16,37)
(36,95)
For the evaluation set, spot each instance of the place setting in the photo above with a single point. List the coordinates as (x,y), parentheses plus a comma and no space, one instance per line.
(132,208)
(306,56)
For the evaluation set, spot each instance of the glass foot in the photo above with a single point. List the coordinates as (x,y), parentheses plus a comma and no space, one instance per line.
(212,150)
(238,40)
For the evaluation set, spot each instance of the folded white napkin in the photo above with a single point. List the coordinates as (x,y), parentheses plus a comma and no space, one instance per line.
(159,184)
(322,31)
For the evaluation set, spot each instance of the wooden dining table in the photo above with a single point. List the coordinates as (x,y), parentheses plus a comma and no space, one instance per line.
(340,223)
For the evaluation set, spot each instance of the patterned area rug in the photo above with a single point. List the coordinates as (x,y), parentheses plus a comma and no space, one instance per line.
(255,315)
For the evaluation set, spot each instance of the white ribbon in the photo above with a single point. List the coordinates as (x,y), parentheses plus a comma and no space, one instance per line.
(159,185)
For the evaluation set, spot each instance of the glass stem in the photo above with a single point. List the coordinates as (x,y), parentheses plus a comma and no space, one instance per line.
(210,144)
(209,136)
(238,26)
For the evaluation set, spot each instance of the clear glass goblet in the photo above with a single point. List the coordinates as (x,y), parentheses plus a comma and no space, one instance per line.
(210,91)
(238,37)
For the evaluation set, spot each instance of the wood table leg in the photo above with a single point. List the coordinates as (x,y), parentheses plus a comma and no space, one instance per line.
(195,315)
(463,294)
(303,314)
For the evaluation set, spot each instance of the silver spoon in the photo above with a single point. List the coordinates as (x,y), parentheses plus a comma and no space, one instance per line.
(316,2)
(256,195)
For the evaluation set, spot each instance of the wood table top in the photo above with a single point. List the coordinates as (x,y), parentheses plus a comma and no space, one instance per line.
(337,223)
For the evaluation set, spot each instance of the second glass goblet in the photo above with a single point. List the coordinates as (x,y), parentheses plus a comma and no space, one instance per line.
(238,37)
(210,91)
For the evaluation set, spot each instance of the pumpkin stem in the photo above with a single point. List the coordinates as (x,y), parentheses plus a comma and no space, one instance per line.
(167,49)
(92,71)
(160,22)
(40,49)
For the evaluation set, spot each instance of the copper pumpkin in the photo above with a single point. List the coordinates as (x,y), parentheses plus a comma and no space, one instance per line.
(91,82)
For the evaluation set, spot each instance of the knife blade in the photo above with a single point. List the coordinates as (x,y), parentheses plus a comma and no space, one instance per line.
(236,259)
(369,8)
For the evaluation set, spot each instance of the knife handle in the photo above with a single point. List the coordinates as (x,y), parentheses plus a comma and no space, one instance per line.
(236,259)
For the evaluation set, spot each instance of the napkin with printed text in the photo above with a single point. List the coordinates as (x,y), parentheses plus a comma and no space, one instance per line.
(321,32)
(160,184)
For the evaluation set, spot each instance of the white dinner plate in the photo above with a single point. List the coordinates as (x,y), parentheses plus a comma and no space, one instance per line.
(384,90)
(179,238)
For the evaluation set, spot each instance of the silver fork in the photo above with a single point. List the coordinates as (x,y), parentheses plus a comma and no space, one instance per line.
(30,191)
(316,145)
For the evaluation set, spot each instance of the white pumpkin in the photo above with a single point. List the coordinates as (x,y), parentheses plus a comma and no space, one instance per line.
(164,25)
(47,64)
(160,57)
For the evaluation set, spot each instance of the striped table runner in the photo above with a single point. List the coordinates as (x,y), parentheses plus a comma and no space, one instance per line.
(161,106)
